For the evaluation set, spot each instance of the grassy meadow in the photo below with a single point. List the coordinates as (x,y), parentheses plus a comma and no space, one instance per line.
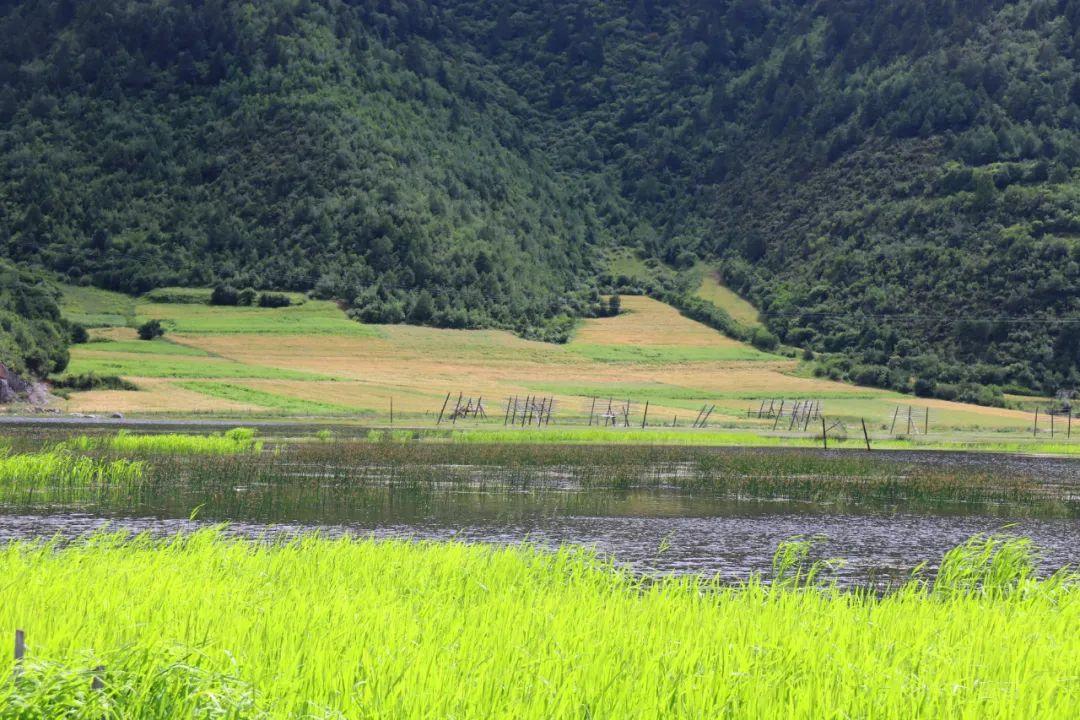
(310,360)
(207,626)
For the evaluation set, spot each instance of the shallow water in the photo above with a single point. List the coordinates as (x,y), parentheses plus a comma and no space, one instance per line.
(658,531)
(659,527)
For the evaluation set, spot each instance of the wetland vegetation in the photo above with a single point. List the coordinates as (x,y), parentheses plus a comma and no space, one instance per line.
(341,587)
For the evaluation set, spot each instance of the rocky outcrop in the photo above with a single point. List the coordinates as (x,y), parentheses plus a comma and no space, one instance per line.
(15,389)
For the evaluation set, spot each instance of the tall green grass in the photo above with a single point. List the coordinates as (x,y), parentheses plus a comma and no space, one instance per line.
(45,476)
(205,626)
(237,440)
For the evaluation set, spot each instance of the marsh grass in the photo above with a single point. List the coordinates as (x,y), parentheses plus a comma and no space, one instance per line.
(337,467)
(59,474)
(206,626)
(237,440)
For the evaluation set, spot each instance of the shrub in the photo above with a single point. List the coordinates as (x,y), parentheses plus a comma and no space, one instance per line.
(924,387)
(151,329)
(247,297)
(225,295)
(764,340)
(93,381)
(79,334)
(614,305)
(274,300)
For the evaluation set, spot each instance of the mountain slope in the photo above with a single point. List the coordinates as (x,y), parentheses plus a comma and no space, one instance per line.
(894,184)
(280,145)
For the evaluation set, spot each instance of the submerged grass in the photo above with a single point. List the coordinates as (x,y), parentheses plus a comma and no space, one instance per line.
(332,469)
(206,626)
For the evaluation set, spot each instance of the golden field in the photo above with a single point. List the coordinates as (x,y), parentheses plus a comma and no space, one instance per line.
(311,360)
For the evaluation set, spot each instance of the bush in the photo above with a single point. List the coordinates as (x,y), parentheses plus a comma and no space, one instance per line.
(151,329)
(178,296)
(93,381)
(764,340)
(274,300)
(247,297)
(79,334)
(225,295)
(924,387)
(614,305)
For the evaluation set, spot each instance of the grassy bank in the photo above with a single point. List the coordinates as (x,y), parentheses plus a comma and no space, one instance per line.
(204,626)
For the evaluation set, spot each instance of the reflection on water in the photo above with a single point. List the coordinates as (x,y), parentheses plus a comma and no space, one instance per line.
(700,534)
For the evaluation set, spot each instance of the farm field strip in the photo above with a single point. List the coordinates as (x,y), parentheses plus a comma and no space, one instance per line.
(251,360)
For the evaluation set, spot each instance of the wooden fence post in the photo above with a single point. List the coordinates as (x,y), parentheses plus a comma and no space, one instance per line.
(646,416)
(20,650)
(866,435)
(1035,431)
(439,421)
(824,434)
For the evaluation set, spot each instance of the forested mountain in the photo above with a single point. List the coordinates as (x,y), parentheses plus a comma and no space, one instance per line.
(894,183)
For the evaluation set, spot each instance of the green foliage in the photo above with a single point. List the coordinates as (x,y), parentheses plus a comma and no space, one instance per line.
(151,329)
(47,474)
(93,381)
(33,336)
(225,295)
(892,184)
(330,147)
(274,300)
(614,305)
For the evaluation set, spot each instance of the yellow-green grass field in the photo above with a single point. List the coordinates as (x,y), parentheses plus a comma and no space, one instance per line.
(311,360)
(206,626)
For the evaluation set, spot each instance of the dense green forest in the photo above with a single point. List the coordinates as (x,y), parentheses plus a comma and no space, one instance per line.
(895,184)
(33,337)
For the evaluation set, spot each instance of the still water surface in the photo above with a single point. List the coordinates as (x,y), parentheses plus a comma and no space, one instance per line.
(655,530)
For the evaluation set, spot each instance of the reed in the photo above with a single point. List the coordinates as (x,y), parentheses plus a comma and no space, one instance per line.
(338,468)
(207,626)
